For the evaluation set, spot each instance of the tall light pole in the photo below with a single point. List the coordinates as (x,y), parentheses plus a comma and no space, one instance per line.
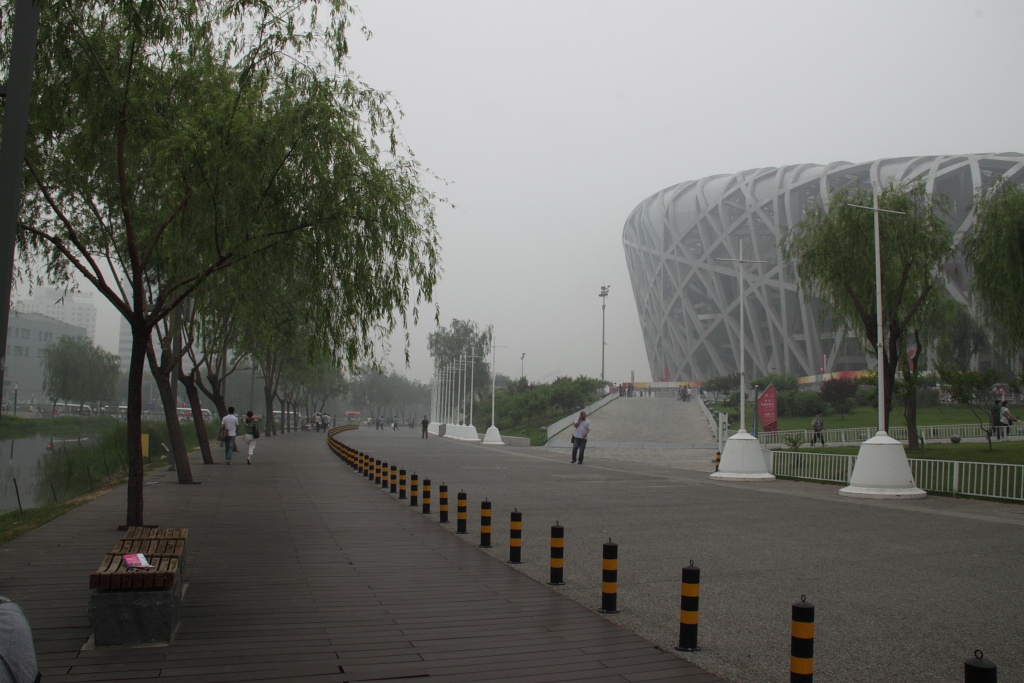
(604,299)
(493,435)
(742,457)
(879,324)
(522,365)
(881,469)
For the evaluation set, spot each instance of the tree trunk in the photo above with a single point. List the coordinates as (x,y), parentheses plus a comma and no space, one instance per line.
(215,392)
(192,391)
(910,376)
(136,473)
(170,404)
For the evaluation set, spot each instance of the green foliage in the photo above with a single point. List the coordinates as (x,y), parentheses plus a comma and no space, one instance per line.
(839,394)
(170,141)
(463,343)
(804,403)
(725,384)
(524,404)
(77,371)
(388,394)
(961,336)
(833,253)
(782,382)
(994,249)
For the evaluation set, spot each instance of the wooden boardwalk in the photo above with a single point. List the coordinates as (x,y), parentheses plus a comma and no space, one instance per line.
(298,569)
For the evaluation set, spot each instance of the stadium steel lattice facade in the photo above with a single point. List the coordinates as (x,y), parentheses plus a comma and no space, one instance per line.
(689,302)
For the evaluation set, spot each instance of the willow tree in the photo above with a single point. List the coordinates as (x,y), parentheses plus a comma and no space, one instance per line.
(833,252)
(464,346)
(169,141)
(994,249)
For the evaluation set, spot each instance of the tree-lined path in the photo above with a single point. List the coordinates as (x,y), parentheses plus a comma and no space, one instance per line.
(298,569)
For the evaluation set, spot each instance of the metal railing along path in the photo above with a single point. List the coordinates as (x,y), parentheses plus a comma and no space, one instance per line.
(953,477)
(859,434)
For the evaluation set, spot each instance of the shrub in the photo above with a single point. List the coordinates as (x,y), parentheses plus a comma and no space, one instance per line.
(807,404)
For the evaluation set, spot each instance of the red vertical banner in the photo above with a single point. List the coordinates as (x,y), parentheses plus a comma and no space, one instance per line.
(768,409)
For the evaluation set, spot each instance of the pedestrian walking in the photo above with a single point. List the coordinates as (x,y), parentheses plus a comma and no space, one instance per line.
(1007,418)
(252,432)
(818,425)
(425,423)
(230,424)
(579,436)
(996,416)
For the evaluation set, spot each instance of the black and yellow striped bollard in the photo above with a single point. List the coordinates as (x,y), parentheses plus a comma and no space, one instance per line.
(801,648)
(362,463)
(485,524)
(376,472)
(609,578)
(688,609)
(460,513)
(515,538)
(414,490)
(401,484)
(443,504)
(394,479)
(383,481)
(426,496)
(557,555)
(718,459)
(980,670)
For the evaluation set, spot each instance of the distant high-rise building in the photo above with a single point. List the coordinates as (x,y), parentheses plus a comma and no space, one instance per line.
(73,308)
(124,344)
(28,335)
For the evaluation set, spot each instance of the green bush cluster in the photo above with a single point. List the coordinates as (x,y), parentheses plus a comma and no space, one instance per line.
(520,404)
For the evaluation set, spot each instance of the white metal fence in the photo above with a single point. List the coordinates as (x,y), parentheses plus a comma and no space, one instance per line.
(983,479)
(859,434)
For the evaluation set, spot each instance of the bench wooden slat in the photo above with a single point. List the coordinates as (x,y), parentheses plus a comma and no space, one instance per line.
(163,548)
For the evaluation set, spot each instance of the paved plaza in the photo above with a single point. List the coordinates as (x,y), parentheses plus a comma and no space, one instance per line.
(299,566)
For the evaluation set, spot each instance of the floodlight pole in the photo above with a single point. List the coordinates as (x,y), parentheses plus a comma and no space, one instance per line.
(743,361)
(742,457)
(604,299)
(879,323)
(881,469)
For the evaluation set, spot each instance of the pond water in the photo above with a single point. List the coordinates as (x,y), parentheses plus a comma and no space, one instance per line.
(23,470)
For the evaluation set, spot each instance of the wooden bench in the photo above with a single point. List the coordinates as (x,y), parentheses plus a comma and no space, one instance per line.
(132,606)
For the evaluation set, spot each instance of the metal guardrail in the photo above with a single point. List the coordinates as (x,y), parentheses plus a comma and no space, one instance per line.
(860,434)
(954,477)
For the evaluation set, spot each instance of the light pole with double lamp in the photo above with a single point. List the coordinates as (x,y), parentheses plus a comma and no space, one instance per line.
(881,469)
(742,458)
(604,299)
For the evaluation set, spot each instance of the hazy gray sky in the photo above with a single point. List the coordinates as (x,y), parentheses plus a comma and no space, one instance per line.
(553,119)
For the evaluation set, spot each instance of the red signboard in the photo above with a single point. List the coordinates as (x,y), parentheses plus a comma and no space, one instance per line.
(768,409)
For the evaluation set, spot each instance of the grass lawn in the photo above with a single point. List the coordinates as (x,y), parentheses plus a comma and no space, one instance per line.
(1003,452)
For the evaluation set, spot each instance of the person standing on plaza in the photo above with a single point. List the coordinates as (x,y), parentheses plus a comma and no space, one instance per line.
(996,416)
(1007,418)
(425,423)
(252,432)
(579,436)
(230,424)
(818,425)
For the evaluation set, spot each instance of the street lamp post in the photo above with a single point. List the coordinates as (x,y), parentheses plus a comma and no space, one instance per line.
(493,435)
(742,458)
(522,365)
(881,469)
(604,299)
(15,398)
